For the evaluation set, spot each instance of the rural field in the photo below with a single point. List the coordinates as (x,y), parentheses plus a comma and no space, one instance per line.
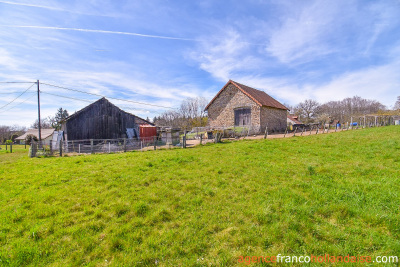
(334,194)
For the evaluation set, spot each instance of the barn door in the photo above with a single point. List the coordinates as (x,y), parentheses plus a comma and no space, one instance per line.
(242,116)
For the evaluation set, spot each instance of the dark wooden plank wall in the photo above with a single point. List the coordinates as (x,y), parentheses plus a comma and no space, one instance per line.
(100,120)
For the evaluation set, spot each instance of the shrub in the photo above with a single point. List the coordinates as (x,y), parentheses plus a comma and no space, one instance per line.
(29,138)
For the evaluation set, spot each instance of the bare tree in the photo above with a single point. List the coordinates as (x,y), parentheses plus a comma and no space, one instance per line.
(190,114)
(10,132)
(4,133)
(397,104)
(307,110)
(356,106)
(44,123)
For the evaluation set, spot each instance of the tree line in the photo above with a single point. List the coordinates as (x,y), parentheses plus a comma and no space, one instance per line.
(189,114)
(12,132)
(310,111)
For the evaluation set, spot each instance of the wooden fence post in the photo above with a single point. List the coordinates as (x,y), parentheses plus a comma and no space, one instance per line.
(6,146)
(294,132)
(184,141)
(91,146)
(266,133)
(61,150)
(201,139)
(124,144)
(155,142)
(285,133)
(32,150)
(10,148)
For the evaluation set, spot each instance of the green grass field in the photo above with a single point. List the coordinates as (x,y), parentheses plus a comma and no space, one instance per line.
(335,193)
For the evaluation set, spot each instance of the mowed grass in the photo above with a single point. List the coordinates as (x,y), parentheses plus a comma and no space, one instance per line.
(334,194)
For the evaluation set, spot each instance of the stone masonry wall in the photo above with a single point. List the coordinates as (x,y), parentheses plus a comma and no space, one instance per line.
(275,119)
(221,111)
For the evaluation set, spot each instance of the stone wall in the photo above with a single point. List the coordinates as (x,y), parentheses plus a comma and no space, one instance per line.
(221,111)
(275,119)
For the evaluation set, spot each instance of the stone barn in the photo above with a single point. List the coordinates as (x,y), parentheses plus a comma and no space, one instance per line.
(102,120)
(239,105)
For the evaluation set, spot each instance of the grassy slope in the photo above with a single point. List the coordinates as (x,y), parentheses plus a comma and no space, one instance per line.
(336,194)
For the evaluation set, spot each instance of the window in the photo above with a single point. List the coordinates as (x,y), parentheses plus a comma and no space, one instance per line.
(242,116)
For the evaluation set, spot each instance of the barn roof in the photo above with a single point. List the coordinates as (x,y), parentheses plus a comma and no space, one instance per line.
(101,100)
(44,133)
(260,97)
(294,119)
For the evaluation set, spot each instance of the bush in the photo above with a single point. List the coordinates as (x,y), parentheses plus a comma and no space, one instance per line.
(29,138)
(8,142)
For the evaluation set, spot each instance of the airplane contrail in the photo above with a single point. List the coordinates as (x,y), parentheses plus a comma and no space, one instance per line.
(51,8)
(102,31)
(30,5)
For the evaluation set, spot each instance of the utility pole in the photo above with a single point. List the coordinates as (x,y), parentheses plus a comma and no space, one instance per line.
(38,101)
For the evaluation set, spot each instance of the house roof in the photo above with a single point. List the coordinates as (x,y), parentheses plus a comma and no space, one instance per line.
(294,119)
(103,99)
(260,97)
(43,132)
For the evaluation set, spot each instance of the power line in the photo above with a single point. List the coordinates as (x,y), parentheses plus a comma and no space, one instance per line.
(84,100)
(119,99)
(17,96)
(18,103)
(16,82)
(11,93)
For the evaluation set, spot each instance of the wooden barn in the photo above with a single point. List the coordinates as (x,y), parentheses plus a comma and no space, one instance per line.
(102,120)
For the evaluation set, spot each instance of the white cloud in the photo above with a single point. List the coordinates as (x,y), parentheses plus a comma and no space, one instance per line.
(223,56)
(301,35)
(381,83)
(7,60)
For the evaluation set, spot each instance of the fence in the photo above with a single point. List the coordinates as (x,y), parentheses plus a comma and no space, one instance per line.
(223,131)
(91,146)
(196,136)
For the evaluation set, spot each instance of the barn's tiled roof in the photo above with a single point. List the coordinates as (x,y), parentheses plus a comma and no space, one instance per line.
(294,119)
(44,133)
(260,97)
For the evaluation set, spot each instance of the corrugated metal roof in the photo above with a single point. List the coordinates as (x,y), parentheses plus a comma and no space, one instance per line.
(105,100)
(260,97)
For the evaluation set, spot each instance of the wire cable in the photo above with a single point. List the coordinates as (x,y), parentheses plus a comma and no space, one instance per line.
(12,93)
(16,82)
(119,99)
(17,96)
(1,112)
(84,100)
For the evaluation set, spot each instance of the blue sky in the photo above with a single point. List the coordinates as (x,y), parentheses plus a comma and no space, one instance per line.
(161,52)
